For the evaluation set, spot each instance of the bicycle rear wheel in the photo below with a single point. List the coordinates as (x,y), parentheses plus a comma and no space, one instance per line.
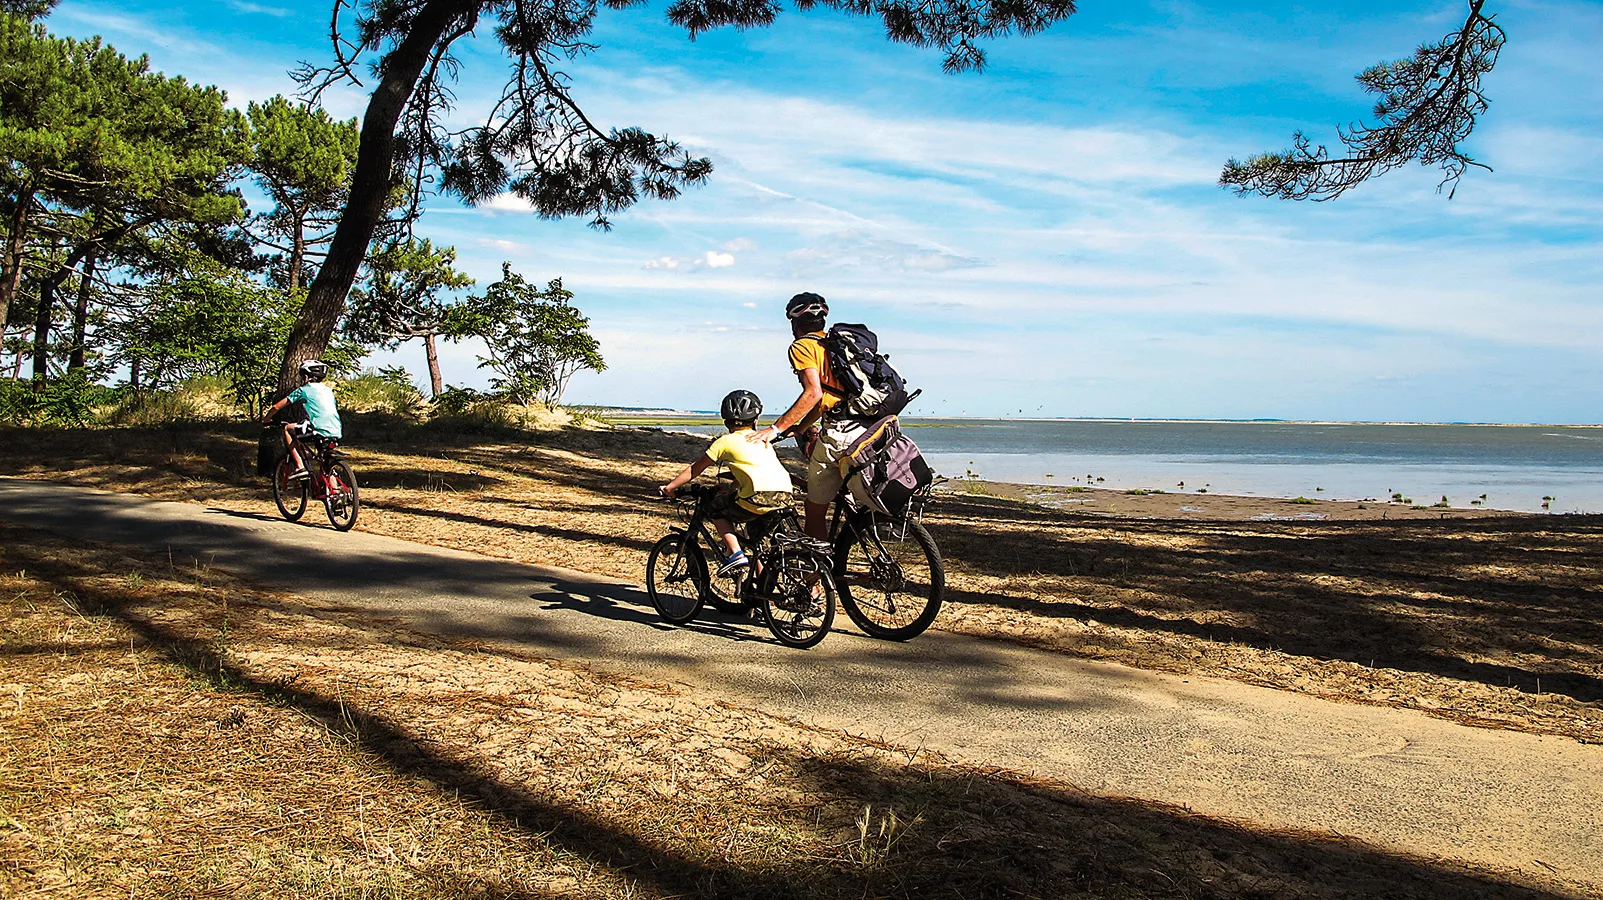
(341,501)
(290,496)
(891,589)
(800,607)
(676,578)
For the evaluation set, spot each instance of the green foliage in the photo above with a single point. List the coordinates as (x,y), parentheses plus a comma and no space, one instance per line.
(303,159)
(1304,501)
(216,321)
(27,9)
(386,390)
(66,402)
(402,297)
(538,340)
(199,399)
(97,129)
(467,411)
(1428,105)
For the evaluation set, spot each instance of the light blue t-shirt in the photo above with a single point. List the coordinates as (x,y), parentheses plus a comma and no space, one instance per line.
(320,410)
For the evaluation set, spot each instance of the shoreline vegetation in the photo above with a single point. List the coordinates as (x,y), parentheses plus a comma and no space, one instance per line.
(1476,616)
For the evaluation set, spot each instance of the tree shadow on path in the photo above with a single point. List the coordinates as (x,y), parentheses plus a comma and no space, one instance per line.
(920,831)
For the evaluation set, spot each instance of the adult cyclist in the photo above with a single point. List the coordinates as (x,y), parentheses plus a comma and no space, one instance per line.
(820,394)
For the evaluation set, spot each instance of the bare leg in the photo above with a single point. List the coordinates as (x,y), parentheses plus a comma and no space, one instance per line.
(727,533)
(289,443)
(817,515)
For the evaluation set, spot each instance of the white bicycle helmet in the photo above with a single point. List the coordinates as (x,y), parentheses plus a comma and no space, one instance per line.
(806,304)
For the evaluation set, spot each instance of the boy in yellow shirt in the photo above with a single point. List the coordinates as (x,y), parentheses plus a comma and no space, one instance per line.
(761,483)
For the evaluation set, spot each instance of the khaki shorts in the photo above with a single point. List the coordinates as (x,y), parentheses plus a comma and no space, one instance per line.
(725,505)
(823,470)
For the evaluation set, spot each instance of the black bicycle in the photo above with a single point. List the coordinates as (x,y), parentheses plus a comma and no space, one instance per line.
(329,479)
(889,570)
(790,580)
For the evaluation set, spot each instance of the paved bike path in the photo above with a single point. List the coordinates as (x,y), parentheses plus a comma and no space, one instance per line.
(1395,778)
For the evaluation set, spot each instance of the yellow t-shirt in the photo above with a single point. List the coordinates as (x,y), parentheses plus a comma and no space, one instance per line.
(753,464)
(808,353)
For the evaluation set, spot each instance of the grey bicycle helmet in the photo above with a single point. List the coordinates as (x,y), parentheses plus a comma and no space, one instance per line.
(314,370)
(806,304)
(740,406)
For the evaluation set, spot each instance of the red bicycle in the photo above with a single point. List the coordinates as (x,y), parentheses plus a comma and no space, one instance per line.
(330,480)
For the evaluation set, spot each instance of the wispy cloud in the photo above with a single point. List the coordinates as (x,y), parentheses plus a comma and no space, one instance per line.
(116,26)
(245,6)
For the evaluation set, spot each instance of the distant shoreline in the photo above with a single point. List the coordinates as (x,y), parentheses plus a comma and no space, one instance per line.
(630,416)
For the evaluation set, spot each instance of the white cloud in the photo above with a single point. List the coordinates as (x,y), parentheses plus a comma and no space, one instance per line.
(712,259)
(115,24)
(508,202)
(503,245)
(245,6)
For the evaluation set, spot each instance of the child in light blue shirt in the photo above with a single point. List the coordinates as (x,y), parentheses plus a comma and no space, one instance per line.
(322,415)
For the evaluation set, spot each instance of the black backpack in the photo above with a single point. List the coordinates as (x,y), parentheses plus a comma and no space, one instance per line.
(870,386)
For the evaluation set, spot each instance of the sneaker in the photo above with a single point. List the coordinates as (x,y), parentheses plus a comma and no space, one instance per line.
(299,475)
(733,564)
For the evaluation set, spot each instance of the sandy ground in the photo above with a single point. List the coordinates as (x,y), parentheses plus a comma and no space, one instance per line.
(167,731)
(1477,617)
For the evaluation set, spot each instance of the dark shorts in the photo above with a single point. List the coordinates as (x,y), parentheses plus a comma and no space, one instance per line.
(725,506)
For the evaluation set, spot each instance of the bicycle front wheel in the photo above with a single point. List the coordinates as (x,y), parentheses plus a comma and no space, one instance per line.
(289,495)
(800,606)
(342,501)
(891,589)
(676,578)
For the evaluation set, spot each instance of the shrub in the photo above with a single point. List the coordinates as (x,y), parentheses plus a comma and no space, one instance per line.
(468,411)
(387,390)
(67,401)
(204,398)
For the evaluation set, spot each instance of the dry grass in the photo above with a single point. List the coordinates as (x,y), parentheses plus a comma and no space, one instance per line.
(170,733)
(1486,619)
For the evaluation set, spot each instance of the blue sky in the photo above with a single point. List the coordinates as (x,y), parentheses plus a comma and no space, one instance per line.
(1045,238)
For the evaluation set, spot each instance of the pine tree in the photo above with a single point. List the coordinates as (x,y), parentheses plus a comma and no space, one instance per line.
(303,159)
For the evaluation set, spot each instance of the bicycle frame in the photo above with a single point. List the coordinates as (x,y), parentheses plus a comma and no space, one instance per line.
(697,525)
(322,456)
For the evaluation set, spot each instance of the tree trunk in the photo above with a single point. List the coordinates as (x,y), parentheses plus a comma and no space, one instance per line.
(370,184)
(47,299)
(297,252)
(11,262)
(133,373)
(80,315)
(436,386)
(41,325)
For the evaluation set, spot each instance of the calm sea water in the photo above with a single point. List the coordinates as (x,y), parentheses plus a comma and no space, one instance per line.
(1515,467)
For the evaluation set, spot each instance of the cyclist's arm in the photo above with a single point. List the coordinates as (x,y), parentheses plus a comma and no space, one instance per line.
(688,475)
(267,415)
(806,407)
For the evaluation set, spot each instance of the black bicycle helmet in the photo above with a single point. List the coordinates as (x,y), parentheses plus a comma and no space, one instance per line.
(314,370)
(740,406)
(806,304)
